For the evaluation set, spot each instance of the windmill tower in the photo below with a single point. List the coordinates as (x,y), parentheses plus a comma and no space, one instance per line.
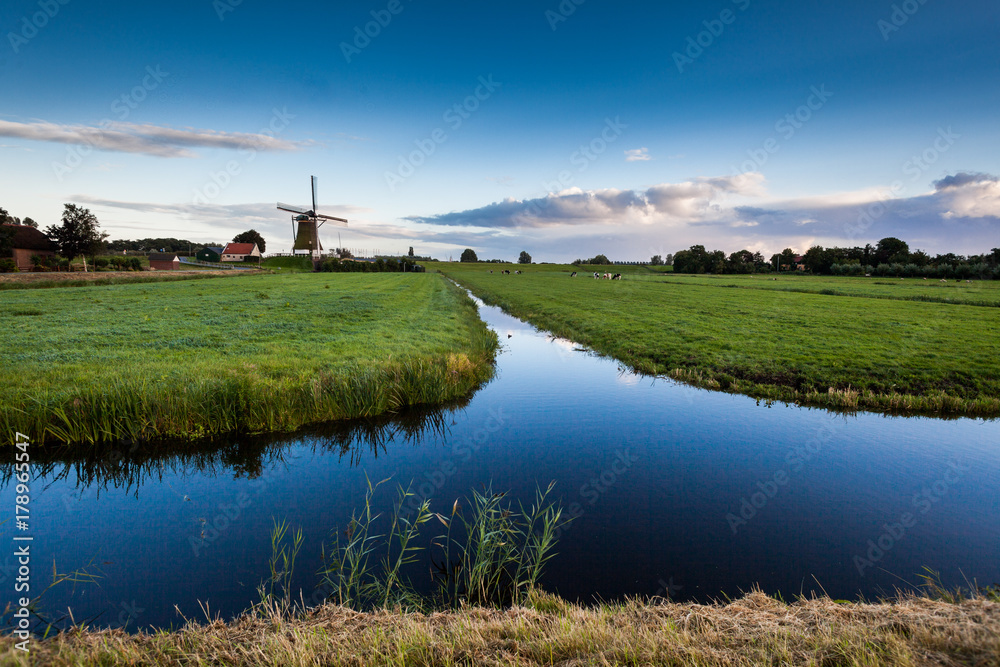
(305,227)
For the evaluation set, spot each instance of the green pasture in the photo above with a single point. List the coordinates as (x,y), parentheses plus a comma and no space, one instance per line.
(838,342)
(261,353)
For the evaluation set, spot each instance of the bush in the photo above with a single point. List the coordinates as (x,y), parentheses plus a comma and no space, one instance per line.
(8,265)
(101,262)
(334,265)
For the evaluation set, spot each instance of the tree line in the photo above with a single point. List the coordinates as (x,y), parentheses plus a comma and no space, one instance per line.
(78,235)
(889,257)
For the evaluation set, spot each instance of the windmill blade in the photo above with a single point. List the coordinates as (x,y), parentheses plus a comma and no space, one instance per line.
(330,217)
(314,192)
(291,209)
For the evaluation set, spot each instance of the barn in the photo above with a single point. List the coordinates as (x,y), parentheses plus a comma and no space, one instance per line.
(164,261)
(240,252)
(27,241)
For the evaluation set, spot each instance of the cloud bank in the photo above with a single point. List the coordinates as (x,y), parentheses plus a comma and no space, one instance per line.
(145,139)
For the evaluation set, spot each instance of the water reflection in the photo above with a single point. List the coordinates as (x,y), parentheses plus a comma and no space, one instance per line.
(127,467)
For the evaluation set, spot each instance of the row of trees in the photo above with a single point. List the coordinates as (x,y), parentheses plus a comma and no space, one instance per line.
(697,259)
(469,255)
(889,257)
(79,235)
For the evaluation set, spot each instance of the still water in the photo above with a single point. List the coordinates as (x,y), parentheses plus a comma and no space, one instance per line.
(675,491)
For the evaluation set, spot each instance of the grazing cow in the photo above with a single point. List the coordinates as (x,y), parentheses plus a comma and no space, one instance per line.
(491,271)
(617,276)
(573,275)
(596,275)
(944,280)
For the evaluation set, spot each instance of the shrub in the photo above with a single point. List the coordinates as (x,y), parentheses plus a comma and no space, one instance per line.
(8,265)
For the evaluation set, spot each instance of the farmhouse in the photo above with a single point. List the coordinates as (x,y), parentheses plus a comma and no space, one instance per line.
(164,261)
(238,252)
(209,254)
(28,241)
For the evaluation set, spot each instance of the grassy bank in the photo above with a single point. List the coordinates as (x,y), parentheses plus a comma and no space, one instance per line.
(261,353)
(20,281)
(755,630)
(840,343)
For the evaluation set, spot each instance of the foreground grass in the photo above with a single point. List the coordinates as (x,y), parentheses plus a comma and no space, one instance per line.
(861,350)
(259,353)
(755,630)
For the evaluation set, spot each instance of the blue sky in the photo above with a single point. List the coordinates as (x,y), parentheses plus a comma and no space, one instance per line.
(559,128)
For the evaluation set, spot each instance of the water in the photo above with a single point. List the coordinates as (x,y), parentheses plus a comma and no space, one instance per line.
(675,490)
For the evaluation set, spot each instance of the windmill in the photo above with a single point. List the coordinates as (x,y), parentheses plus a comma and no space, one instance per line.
(306,224)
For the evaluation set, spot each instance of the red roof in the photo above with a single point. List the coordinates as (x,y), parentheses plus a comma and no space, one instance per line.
(238,248)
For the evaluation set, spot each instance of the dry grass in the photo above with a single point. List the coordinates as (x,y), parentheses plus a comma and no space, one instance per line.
(755,630)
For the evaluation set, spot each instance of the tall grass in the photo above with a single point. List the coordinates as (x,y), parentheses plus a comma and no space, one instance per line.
(490,554)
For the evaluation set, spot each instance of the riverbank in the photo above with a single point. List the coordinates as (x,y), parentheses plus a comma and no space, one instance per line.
(845,346)
(754,630)
(191,358)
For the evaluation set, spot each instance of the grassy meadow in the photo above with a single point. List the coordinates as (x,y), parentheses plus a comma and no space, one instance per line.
(754,630)
(904,346)
(255,353)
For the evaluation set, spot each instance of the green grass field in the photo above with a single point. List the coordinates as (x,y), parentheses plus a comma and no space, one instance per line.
(849,343)
(258,353)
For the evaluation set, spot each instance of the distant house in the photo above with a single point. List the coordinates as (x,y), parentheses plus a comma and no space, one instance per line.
(209,254)
(238,252)
(164,261)
(28,241)
(799,262)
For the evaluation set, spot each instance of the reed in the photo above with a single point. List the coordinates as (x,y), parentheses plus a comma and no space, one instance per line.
(491,554)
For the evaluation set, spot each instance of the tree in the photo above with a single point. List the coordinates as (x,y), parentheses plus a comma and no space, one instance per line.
(469,255)
(656,260)
(787,258)
(6,218)
(524,258)
(410,254)
(28,222)
(891,250)
(599,260)
(251,236)
(79,233)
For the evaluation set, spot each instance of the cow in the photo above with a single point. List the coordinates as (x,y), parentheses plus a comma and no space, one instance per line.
(573,275)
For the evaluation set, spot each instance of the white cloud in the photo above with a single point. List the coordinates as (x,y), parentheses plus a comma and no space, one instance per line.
(970,195)
(637,154)
(147,139)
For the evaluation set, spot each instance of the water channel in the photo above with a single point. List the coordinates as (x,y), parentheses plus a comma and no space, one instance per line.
(674,490)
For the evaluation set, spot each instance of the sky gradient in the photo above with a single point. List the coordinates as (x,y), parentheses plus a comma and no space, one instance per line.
(561,128)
